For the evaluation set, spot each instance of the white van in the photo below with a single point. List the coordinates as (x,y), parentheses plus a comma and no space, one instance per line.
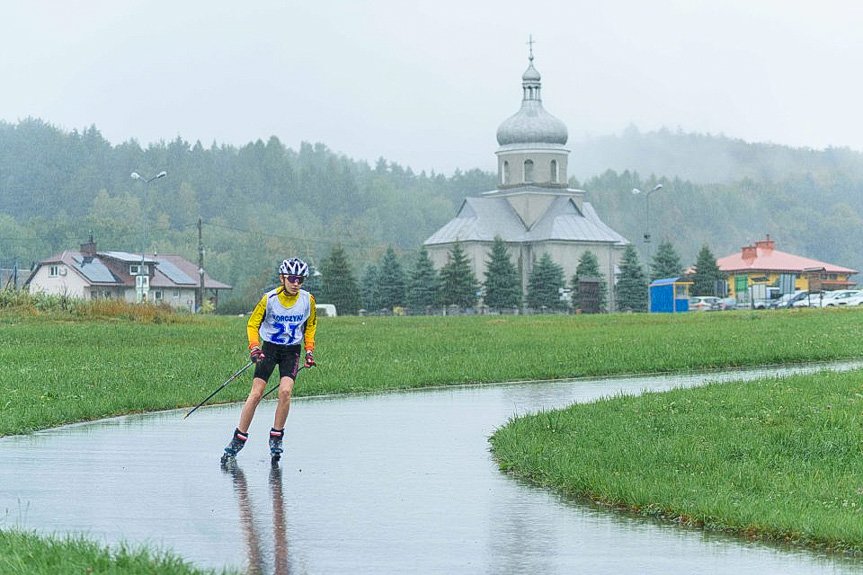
(325,310)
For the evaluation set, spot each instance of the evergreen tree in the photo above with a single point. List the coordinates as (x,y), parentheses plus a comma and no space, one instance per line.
(666,262)
(706,273)
(502,280)
(371,297)
(458,283)
(313,282)
(631,289)
(423,283)
(588,267)
(544,285)
(338,283)
(392,284)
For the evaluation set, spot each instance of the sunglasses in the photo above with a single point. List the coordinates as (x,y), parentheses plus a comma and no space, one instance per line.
(295,279)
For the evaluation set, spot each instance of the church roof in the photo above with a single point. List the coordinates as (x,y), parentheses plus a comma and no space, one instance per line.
(532,124)
(481,219)
(564,221)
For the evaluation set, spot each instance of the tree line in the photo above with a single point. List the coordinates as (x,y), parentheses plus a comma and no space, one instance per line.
(264,201)
(388,286)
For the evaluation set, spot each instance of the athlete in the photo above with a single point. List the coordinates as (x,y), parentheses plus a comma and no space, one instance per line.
(281,327)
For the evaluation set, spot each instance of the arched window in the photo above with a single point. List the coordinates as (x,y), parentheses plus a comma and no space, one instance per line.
(554,172)
(528,171)
(505,173)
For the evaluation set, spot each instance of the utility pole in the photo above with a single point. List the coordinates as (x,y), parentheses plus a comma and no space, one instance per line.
(200,297)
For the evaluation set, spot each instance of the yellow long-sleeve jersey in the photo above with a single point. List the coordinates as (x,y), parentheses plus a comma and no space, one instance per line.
(284,319)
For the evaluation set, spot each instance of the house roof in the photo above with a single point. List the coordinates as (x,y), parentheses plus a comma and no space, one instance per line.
(179,271)
(481,219)
(763,257)
(111,269)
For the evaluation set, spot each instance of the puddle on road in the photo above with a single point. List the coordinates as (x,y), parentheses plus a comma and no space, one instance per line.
(375,484)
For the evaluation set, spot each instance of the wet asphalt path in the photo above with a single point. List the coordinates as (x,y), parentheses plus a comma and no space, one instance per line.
(388,483)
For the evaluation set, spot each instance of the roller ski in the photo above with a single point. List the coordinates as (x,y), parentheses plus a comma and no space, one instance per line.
(276,436)
(238,441)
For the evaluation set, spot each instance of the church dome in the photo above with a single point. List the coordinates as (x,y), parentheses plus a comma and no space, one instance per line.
(532,124)
(531,74)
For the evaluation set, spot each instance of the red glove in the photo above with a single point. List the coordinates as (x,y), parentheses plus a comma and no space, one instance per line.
(310,359)
(256,355)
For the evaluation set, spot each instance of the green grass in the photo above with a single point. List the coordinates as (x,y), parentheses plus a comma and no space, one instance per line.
(776,459)
(66,363)
(30,554)
(60,369)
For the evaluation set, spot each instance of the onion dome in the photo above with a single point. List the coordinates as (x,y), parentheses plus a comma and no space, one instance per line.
(532,124)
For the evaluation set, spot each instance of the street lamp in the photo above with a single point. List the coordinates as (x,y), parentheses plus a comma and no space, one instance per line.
(142,280)
(137,176)
(636,191)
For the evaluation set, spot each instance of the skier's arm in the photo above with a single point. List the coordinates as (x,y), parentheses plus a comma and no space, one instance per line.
(255,321)
(311,326)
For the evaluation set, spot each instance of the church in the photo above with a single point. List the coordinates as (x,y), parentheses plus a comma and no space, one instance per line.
(533,209)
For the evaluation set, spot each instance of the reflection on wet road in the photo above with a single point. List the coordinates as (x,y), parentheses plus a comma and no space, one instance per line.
(255,532)
(390,483)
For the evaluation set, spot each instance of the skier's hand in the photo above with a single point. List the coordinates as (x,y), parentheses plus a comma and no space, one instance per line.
(256,355)
(310,359)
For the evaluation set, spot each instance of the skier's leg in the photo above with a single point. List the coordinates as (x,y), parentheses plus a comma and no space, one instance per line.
(241,434)
(286,388)
(248,412)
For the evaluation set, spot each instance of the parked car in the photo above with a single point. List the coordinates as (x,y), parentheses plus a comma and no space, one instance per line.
(808,299)
(727,303)
(786,301)
(705,303)
(853,300)
(839,297)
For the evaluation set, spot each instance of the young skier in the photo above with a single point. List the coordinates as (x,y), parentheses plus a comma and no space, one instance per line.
(281,327)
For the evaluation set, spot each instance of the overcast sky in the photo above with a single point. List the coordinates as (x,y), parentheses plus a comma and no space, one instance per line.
(427,83)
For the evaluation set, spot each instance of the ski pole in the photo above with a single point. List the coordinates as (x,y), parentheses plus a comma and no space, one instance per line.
(221,387)
(272,389)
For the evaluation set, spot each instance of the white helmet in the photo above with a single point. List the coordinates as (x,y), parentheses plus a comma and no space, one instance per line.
(294,267)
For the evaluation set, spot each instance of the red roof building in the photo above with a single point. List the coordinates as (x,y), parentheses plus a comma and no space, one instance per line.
(763,265)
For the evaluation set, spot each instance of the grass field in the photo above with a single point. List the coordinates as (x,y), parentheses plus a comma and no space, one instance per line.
(29,554)
(59,369)
(778,459)
(62,367)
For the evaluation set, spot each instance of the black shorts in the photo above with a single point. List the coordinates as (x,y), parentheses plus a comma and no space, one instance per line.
(287,357)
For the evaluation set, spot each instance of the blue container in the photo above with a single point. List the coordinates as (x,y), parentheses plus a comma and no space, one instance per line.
(669,295)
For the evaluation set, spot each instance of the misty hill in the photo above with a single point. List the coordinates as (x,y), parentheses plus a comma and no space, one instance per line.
(262,201)
(702,158)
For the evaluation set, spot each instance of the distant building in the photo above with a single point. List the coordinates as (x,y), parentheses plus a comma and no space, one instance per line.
(760,271)
(533,210)
(89,274)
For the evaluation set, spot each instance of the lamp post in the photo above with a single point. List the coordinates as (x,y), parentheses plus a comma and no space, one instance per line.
(646,238)
(142,279)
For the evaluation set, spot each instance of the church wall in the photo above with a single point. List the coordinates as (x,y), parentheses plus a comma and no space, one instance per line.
(438,255)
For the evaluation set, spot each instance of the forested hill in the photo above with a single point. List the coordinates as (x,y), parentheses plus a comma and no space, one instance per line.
(704,158)
(262,201)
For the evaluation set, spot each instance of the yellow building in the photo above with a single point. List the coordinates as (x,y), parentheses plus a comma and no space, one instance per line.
(760,271)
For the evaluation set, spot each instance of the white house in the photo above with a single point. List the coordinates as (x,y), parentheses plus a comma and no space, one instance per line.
(89,274)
